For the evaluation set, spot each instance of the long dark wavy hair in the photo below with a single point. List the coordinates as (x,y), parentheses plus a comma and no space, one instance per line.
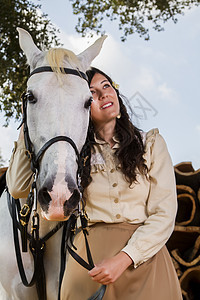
(131,148)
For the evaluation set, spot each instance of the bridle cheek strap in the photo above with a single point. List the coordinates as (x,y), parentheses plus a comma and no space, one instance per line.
(35,158)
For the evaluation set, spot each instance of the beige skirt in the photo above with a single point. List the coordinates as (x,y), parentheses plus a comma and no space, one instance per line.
(155,279)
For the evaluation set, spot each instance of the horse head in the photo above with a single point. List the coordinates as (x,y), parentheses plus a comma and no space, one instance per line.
(57,105)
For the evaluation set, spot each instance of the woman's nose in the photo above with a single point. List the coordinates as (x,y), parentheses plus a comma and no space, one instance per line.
(101,96)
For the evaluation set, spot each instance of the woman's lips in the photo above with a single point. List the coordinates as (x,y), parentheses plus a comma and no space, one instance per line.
(106,105)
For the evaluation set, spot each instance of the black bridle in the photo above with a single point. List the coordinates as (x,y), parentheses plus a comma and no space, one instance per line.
(63,70)
(69,227)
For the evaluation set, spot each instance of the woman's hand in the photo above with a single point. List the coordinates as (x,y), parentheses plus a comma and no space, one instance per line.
(109,270)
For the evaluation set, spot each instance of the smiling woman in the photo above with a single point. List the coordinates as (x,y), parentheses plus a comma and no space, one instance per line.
(130,197)
(105,107)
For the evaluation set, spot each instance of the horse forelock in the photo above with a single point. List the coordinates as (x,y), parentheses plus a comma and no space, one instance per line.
(58,57)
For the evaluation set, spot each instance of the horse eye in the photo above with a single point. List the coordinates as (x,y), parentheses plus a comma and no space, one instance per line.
(30,97)
(88,102)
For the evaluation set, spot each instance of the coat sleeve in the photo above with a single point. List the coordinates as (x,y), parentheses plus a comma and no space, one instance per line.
(161,205)
(19,176)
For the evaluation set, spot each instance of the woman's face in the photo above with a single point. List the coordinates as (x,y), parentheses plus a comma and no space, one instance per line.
(105,106)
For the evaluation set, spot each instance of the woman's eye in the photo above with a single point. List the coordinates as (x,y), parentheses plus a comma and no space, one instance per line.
(30,97)
(106,86)
(88,102)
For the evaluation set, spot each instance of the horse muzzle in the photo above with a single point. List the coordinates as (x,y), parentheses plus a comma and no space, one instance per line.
(58,206)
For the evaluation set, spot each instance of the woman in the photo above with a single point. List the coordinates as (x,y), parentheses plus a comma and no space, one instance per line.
(130,197)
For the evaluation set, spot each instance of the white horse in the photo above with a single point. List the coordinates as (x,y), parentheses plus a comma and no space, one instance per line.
(58,109)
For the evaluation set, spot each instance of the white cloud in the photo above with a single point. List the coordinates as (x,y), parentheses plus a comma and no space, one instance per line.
(150,82)
(109,56)
(146,78)
(198,128)
(167,94)
(74,42)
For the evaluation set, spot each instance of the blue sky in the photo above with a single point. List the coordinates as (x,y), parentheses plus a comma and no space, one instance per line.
(162,75)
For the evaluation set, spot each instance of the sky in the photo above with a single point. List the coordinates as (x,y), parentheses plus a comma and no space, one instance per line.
(160,77)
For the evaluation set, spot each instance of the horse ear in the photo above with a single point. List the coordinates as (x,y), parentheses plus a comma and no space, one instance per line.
(87,56)
(27,45)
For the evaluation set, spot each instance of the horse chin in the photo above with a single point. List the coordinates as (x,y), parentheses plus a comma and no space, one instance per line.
(58,217)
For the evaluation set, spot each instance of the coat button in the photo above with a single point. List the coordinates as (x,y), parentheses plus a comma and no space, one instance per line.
(112,170)
(116,200)
(114,184)
(118,216)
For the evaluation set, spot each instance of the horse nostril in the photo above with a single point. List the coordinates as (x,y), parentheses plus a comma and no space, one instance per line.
(71,203)
(44,196)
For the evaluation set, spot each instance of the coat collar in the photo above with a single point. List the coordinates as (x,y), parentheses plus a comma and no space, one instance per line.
(100,141)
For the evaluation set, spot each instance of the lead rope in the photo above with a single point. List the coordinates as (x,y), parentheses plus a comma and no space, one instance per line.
(69,231)
(84,224)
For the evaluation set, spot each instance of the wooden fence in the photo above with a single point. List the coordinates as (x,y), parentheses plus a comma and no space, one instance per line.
(184,244)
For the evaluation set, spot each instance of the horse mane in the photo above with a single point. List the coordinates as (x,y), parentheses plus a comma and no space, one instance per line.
(57,57)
